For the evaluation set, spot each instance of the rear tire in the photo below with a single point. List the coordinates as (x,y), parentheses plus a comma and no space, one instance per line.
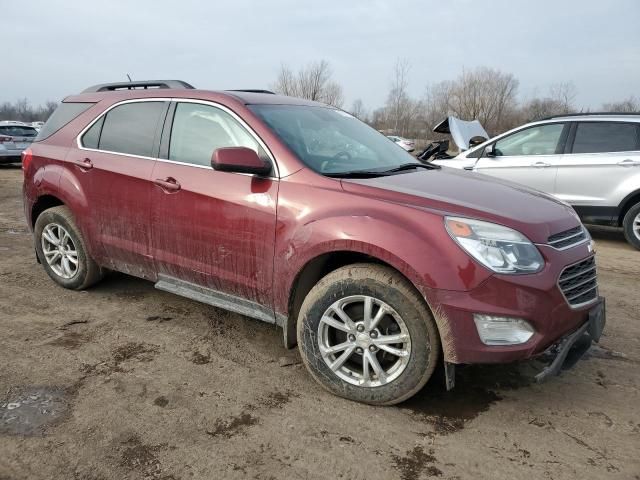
(346,342)
(631,225)
(62,250)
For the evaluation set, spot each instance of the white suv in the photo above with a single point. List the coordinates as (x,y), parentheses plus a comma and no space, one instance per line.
(591,161)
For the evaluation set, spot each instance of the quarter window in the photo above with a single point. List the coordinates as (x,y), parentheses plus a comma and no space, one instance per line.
(596,137)
(131,128)
(198,130)
(538,140)
(91,138)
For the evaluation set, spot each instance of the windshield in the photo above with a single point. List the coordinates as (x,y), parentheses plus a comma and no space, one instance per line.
(331,141)
(18,131)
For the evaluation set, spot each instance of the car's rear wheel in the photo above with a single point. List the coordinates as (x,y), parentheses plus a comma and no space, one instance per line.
(62,251)
(631,225)
(365,334)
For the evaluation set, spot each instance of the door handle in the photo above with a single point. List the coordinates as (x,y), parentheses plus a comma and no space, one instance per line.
(169,184)
(541,165)
(627,162)
(84,164)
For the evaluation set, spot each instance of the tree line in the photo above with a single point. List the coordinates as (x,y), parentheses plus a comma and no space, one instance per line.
(22,111)
(486,94)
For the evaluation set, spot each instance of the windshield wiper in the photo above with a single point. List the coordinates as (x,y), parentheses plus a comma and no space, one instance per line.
(356,174)
(411,166)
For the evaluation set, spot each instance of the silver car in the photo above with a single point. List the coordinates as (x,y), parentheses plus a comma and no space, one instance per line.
(15,137)
(591,161)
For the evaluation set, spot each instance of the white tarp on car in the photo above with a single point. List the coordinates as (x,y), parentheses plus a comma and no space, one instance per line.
(461,131)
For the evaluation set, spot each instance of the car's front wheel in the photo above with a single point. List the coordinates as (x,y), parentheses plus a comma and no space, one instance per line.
(366,334)
(62,251)
(631,225)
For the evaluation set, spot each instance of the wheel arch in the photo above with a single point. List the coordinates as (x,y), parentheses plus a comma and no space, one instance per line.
(42,203)
(629,201)
(318,267)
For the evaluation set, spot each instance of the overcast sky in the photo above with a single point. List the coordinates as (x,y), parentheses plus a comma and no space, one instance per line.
(55,48)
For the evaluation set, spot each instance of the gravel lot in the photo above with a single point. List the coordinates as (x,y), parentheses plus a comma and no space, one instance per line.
(127,382)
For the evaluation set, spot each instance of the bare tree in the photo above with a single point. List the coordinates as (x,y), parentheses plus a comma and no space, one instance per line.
(564,95)
(22,110)
(358,110)
(398,102)
(630,104)
(312,82)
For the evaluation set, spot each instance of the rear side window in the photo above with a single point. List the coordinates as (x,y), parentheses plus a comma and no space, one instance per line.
(596,137)
(66,112)
(131,128)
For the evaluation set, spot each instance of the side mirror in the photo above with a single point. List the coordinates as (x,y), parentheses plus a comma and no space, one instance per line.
(490,151)
(239,160)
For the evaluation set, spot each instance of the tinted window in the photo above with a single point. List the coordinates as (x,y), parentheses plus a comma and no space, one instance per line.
(539,140)
(198,130)
(91,138)
(63,115)
(18,131)
(131,128)
(594,137)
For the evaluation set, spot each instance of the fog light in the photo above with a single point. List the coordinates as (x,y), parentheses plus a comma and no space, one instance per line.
(502,330)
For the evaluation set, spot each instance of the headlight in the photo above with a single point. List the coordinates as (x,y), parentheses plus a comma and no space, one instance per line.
(499,248)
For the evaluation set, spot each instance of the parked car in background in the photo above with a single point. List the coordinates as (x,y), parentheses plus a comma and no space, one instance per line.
(14,138)
(37,125)
(408,145)
(591,161)
(378,266)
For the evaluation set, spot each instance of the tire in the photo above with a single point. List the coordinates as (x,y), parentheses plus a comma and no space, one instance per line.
(51,226)
(406,316)
(631,225)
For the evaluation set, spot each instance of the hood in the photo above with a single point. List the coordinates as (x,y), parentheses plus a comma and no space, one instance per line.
(450,191)
(461,131)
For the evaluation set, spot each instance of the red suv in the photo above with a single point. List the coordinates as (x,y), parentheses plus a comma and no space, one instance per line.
(295,213)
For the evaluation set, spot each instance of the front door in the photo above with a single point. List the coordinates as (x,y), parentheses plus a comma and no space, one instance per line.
(529,156)
(214,229)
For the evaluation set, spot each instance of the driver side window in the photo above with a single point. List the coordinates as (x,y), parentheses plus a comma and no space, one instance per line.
(538,140)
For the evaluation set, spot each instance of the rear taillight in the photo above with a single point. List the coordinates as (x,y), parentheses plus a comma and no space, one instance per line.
(27,156)
(5,139)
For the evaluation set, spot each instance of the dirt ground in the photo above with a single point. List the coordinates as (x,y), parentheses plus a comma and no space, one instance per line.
(127,382)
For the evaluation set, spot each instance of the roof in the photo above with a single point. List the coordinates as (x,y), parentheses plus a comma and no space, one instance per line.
(589,115)
(181,89)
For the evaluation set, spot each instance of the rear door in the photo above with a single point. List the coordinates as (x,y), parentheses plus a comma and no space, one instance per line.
(529,156)
(601,156)
(114,162)
(215,229)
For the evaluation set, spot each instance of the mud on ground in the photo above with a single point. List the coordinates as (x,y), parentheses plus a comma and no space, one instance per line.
(127,382)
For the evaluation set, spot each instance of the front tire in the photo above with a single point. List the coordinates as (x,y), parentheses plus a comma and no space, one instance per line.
(62,250)
(364,333)
(631,225)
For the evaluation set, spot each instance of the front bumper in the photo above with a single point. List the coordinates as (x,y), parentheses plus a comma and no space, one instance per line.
(568,350)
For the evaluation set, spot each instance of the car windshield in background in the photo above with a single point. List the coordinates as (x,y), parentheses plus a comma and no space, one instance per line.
(18,131)
(331,141)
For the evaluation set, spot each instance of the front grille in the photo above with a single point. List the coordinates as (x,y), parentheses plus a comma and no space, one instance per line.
(578,282)
(568,238)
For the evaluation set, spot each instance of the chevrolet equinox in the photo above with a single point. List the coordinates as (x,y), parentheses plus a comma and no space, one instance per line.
(295,213)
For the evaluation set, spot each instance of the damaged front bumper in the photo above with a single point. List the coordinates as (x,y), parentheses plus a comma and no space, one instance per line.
(565,353)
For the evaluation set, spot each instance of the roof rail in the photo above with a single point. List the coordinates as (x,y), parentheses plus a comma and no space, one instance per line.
(252,90)
(587,114)
(143,84)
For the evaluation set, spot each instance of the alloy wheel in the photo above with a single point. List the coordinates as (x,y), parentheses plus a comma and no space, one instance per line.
(59,251)
(364,341)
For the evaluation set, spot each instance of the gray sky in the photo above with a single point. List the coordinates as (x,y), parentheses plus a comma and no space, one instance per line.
(56,48)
